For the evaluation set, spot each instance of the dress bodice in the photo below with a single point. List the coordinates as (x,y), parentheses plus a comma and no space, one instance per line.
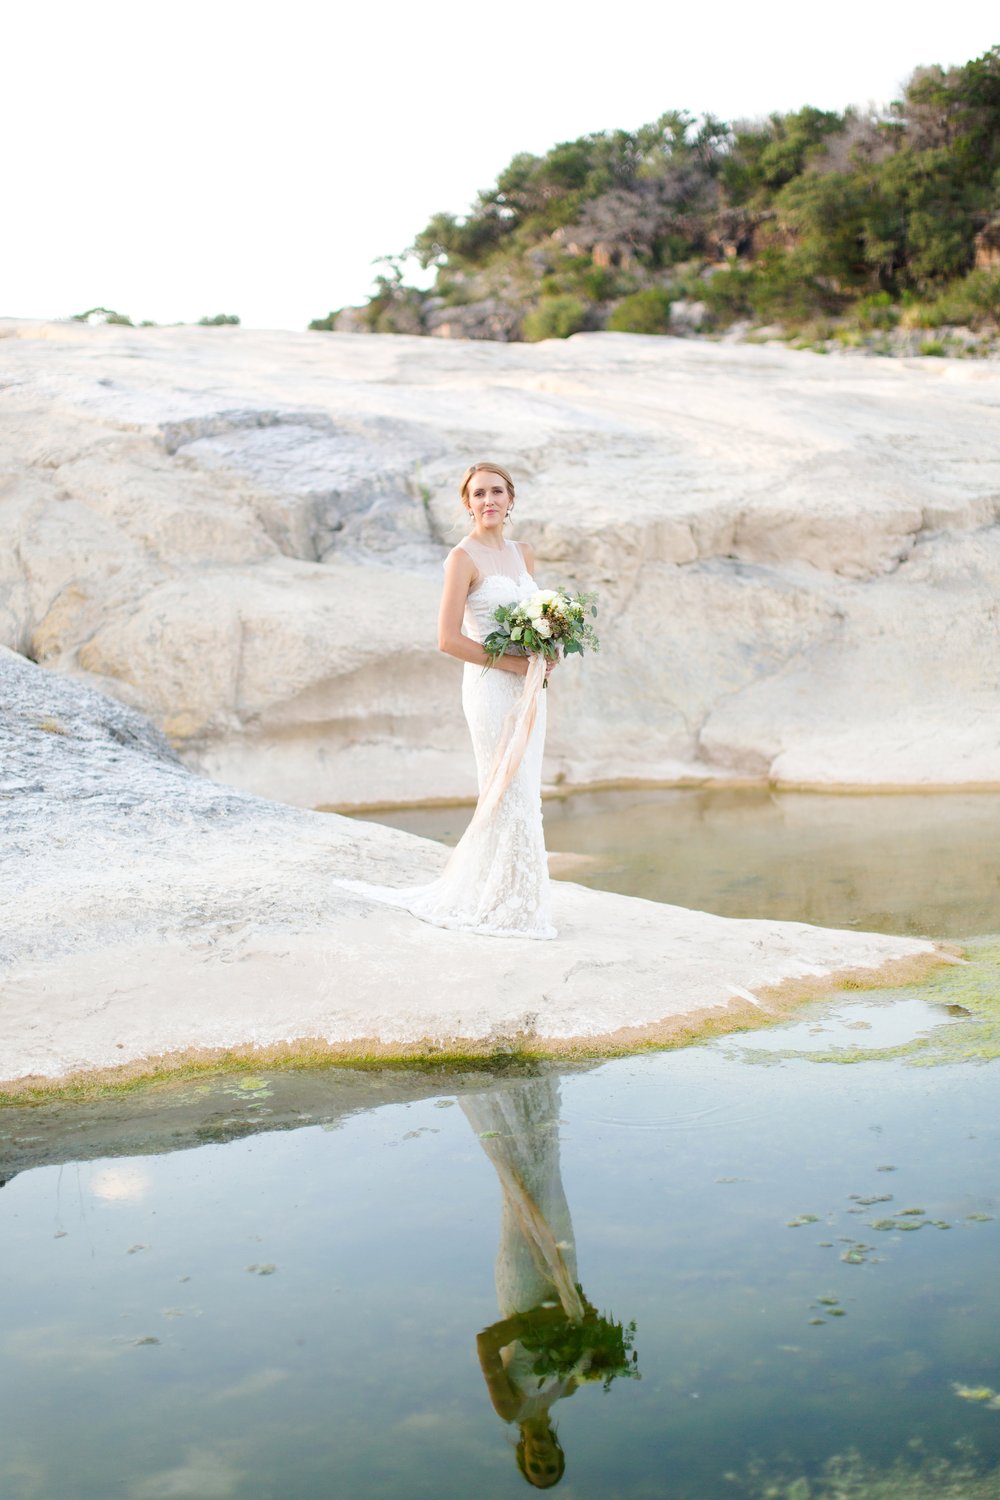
(502,579)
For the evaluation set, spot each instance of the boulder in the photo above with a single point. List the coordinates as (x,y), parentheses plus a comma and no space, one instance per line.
(489,318)
(687,316)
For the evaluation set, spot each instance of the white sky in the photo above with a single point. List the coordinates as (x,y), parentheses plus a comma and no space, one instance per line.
(177,160)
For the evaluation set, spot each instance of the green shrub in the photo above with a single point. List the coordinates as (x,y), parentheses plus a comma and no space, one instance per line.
(454,293)
(974,300)
(783,291)
(671,248)
(102,315)
(919,314)
(643,312)
(599,283)
(220,320)
(876,311)
(932,347)
(775,290)
(728,294)
(554,318)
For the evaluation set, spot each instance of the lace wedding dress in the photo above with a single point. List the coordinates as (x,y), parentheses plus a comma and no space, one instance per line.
(496,881)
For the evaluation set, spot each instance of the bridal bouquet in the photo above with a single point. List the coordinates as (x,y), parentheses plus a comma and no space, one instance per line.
(544,624)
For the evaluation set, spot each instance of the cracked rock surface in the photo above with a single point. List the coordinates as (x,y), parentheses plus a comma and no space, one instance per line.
(240,533)
(146,912)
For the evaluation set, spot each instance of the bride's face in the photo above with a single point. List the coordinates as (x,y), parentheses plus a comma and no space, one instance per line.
(488,500)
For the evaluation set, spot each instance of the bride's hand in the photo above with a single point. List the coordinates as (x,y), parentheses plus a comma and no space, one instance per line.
(550,664)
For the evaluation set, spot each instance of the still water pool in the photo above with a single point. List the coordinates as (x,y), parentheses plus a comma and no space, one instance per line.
(909,863)
(782,1271)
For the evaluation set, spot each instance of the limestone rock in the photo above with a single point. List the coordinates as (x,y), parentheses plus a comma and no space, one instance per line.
(687,316)
(797,556)
(488,318)
(147,912)
(351,320)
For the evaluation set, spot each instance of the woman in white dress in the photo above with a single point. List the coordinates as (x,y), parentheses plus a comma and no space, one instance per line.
(496,882)
(504,872)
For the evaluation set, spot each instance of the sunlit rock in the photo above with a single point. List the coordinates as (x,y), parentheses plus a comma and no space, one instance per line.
(798,557)
(148,912)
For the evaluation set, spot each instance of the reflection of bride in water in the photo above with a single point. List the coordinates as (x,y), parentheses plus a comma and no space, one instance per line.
(549,1338)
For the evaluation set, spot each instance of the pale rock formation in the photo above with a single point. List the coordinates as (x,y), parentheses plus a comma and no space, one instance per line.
(488,318)
(687,316)
(147,912)
(241,534)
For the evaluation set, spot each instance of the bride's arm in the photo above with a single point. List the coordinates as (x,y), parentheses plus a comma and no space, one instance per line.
(459,573)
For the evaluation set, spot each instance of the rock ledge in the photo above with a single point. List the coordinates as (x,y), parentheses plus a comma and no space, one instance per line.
(152,919)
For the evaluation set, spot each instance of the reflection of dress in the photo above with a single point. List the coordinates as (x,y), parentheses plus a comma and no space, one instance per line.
(496,881)
(518,1128)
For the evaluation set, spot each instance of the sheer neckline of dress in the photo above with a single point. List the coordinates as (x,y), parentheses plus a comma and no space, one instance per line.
(494,562)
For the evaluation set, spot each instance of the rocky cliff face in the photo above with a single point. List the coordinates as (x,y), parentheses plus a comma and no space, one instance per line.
(241,534)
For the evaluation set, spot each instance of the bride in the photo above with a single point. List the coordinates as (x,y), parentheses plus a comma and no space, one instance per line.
(496,881)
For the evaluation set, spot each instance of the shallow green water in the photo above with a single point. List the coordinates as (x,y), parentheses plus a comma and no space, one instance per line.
(903,863)
(293,1312)
(297,1286)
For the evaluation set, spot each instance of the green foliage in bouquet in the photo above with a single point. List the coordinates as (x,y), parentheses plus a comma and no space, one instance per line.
(548,622)
(597,1348)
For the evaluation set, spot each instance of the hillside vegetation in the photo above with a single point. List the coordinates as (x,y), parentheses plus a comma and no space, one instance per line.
(860,226)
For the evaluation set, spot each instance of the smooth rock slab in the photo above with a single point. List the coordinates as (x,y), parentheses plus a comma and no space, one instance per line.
(147,913)
(241,534)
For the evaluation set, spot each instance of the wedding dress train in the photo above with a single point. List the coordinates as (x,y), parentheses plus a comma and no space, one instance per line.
(496,881)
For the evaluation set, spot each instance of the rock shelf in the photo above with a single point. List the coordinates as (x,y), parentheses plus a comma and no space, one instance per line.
(240,533)
(151,919)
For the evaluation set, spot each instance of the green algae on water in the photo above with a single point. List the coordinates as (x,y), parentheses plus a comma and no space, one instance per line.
(968,993)
(915,1475)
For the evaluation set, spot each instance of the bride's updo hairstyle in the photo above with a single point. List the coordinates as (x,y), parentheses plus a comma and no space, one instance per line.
(492,469)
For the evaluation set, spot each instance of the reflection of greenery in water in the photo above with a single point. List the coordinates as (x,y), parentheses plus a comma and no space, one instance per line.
(920,863)
(598,1348)
(966,995)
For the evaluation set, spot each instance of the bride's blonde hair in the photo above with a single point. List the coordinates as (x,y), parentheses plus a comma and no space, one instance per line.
(493,469)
